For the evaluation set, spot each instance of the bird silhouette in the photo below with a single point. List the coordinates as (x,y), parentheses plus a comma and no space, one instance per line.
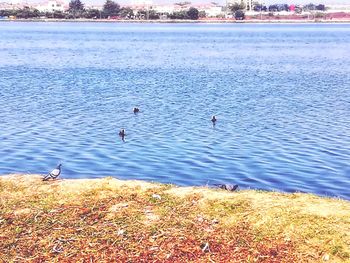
(122,133)
(54,173)
(213,119)
(136,110)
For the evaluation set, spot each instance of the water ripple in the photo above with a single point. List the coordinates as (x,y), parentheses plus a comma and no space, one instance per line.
(280,93)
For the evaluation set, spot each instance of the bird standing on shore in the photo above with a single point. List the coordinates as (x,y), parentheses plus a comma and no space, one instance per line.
(228,187)
(54,173)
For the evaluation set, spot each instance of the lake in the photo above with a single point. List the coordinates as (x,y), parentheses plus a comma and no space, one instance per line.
(281,94)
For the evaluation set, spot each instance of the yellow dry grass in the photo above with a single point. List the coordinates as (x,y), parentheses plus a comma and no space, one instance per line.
(109,220)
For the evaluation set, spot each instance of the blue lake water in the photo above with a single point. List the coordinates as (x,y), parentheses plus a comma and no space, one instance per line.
(281,94)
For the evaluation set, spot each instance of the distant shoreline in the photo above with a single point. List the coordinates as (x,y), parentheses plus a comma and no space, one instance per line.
(174,21)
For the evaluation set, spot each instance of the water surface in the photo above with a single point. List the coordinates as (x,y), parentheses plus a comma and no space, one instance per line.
(280,92)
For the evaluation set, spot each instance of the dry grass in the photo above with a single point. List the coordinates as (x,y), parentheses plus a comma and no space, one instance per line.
(108,220)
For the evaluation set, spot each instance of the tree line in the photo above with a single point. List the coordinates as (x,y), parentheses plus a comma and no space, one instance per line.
(285,7)
(113,10)
(110,9)
(238,9)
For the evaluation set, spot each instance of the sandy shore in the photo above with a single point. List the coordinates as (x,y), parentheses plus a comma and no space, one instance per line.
(104,220)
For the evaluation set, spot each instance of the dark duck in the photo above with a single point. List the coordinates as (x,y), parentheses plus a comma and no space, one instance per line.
(122,133)
(213,119)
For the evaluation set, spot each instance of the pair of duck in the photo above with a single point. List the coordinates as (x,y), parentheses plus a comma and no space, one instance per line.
(137,110)
(122,131)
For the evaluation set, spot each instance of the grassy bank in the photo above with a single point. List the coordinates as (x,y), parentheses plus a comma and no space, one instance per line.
(103,220)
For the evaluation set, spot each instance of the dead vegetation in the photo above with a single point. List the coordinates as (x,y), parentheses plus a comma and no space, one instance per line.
(108,220)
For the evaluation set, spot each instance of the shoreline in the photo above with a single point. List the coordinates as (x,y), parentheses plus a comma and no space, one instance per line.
(229,21)
(108,219)
(207,186)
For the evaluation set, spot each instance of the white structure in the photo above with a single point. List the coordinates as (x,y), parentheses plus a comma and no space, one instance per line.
(52,5)
(211,10)
(338,8)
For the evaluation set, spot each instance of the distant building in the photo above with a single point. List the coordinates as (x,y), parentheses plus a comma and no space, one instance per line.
(211,10)
(338,8)
(52,6)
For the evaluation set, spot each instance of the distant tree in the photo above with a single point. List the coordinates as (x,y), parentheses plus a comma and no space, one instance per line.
(193,13)
(58,14)
(92,13)
(51,15)
(179,15)
(285,7)
(36,13)
(320,7)
(152,14)
(202,14)
(48,14)
(126,12)
(298,9)
(319,15)
(27,12)
(278,7)
(141,14)
(273,8)
(76,8)
(259,7)
(111,8)
(309,7)
(69,16)
(239,15)
(235,7)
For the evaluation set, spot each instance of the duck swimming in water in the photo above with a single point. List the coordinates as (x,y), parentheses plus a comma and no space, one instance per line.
(122,133)
(136,110)
(213,119)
